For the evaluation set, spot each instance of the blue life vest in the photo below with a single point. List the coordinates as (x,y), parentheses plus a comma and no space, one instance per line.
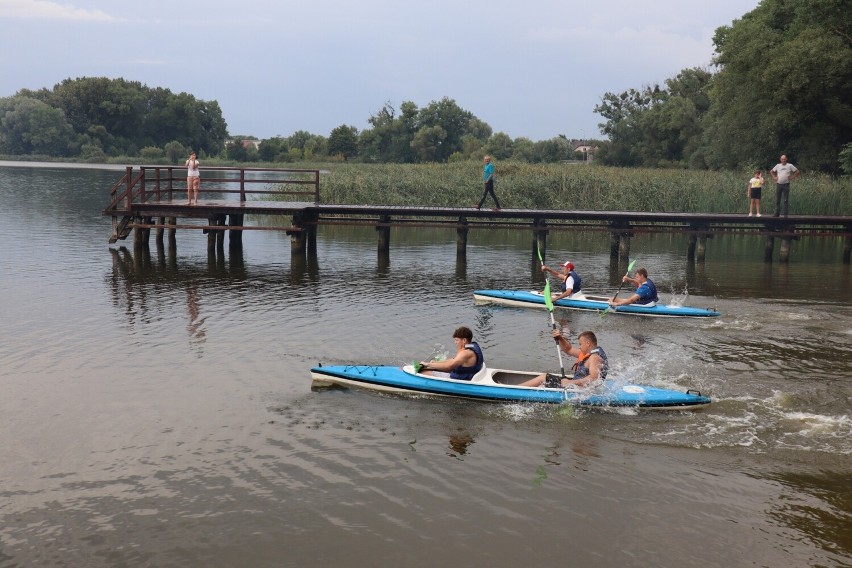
(466,373)
(647,292)
(581,371)
(578,282)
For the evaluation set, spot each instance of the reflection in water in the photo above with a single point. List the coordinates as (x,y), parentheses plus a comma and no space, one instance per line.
(383,265)
(459,443)
(136,275)
(814,504)
(195,326)
(461,269)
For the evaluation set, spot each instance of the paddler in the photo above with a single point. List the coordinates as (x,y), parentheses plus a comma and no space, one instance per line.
(591,365)
(571,281)
(468,359)
(646,291)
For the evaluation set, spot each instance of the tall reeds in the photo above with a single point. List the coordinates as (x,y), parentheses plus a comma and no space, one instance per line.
(575,187)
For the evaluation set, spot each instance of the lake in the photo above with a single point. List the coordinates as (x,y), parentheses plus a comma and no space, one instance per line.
(157,405)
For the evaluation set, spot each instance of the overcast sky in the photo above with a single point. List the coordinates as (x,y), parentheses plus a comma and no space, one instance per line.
(533,68)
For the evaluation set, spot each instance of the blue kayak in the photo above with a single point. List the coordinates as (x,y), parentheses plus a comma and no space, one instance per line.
(502,385)
(581,301)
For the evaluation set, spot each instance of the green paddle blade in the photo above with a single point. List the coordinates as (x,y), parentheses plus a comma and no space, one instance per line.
(548,300)
(630,266)
(538,249)
(416,366)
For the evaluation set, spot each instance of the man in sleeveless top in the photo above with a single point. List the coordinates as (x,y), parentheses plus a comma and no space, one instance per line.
(571,282)
(467,361)
(591,366)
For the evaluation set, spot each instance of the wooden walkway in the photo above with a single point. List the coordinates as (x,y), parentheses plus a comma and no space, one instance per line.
(154,198)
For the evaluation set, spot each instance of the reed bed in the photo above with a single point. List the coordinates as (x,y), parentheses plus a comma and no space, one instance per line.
(574,187)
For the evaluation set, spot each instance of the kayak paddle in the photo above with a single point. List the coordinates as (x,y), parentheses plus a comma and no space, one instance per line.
(548,302)
(629,268)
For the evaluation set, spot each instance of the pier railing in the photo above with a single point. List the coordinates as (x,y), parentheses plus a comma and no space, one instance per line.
(145,184)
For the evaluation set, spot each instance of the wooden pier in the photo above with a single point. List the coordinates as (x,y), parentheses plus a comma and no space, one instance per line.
(153,197)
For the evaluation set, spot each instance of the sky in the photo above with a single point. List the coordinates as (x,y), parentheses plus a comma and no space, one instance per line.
(534,68)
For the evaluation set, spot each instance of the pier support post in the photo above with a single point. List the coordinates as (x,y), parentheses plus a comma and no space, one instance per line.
(383,229)
(539,240)
(235,238)
(847,249)
(690,250)
(461,238)
(172,232)
(619,242)
(310,229)
(141,234)
(160,230)
(624,248)
(297,238)
(614,244)
(216,237)
(784,253)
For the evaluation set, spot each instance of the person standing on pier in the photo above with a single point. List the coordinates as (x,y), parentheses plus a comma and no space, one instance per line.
(193,179)
(755,188)
(783,173)
(488,178)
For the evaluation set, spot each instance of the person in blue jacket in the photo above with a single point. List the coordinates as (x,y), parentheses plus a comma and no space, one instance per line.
(646,291)
(488,181)
(467,361)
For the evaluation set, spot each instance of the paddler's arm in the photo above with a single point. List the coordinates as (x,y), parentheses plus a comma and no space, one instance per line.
(624,301)
(564,344)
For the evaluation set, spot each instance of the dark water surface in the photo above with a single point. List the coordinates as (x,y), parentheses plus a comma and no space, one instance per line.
(157,411)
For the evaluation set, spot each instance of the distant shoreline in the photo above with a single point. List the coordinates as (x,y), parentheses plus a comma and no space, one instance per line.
(66,165)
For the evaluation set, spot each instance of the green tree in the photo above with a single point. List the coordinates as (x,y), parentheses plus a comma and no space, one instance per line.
(235,150)
(429,143)
(500,146)
(522,149)
(175,151)
(30,126)
(127,115)
(553,150)
(269,149)
(343,141)
(444,123)
(785,74)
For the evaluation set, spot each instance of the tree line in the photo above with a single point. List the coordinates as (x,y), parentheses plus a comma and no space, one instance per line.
(95,118)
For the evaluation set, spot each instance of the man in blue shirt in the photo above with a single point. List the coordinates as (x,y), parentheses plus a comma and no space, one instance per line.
(646,291)
(488,178)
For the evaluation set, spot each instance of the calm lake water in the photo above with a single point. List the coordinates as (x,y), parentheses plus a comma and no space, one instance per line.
(157,410)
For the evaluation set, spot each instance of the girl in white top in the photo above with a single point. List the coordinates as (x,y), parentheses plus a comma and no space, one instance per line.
(193,179)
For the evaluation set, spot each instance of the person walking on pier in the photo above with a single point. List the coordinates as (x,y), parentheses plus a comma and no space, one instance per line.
(193,179)
(571,281)
(488,178)
(783,173)
(646,291)
(755,188)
